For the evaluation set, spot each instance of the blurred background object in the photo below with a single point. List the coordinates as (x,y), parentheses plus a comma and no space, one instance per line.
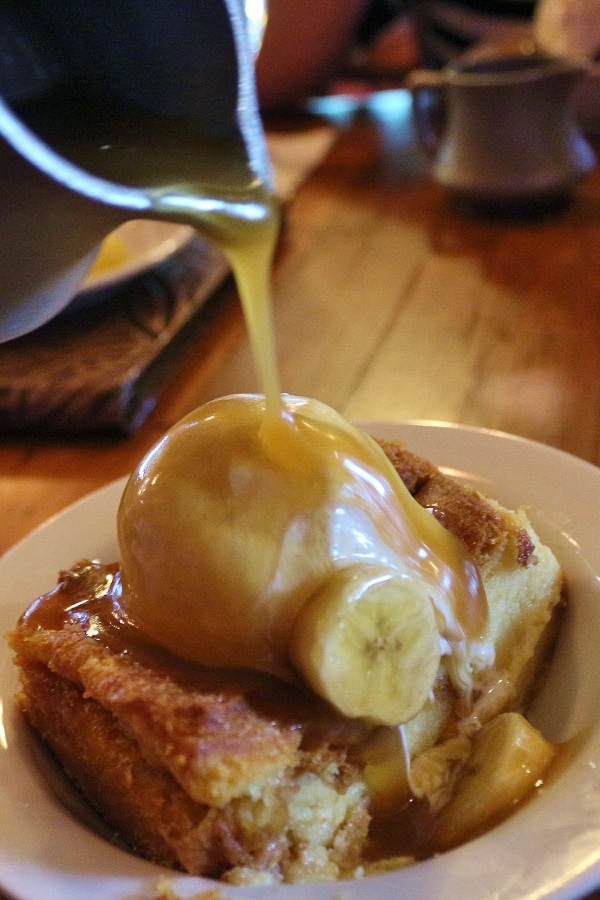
(509,139)
(447,28)
(568,27)
(310,46)
(305,42)
(572,28)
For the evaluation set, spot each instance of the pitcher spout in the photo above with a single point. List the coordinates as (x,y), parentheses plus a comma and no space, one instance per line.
(113,105)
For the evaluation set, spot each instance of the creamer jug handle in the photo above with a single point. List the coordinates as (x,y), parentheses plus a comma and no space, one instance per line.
(428,88)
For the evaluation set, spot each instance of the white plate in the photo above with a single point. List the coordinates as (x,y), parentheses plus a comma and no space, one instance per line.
(139,245)
(549,849)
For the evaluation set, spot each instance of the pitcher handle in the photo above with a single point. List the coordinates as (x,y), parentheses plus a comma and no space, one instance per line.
(428,89)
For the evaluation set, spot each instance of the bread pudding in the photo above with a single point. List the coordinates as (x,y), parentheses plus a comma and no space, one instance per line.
(249,776)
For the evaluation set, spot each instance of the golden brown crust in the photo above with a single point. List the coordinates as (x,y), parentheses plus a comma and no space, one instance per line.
(129,770)
(218,733)
(463,511)
(145,802)
(199,769)
(195,768)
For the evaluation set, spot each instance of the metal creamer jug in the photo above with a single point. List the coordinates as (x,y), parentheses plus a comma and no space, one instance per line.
(107,112)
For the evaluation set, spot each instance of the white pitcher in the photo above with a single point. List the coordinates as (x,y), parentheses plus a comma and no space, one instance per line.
(509,134)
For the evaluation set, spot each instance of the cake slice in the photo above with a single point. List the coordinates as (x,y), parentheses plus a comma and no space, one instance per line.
(238,775)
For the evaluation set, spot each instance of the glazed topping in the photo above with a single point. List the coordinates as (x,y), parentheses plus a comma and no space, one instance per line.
(282,540)
(267,532)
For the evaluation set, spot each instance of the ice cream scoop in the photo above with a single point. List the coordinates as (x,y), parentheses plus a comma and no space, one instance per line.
(253,541)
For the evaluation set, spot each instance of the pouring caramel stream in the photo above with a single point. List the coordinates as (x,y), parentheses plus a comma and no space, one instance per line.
(309,455)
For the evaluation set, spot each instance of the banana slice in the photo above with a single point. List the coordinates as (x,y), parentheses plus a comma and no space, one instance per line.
(508,760)
(435,772)
(385,760)
(368,643)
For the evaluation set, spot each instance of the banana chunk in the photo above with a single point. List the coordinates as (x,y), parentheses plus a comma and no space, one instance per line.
(435,773)
(368,642)
(508,760)
(384,757)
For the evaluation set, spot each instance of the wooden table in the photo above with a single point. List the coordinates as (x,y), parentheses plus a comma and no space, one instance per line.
(389,304)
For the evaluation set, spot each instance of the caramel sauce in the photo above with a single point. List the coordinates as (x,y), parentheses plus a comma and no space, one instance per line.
(318,459)
(191,176)
(241,514)
(404,832)
(88,597)
(206,180)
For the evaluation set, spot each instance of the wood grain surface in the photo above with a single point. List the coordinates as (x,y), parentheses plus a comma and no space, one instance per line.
(390,303)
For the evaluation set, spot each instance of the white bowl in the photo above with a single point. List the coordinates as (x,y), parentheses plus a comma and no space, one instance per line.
(550,848)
